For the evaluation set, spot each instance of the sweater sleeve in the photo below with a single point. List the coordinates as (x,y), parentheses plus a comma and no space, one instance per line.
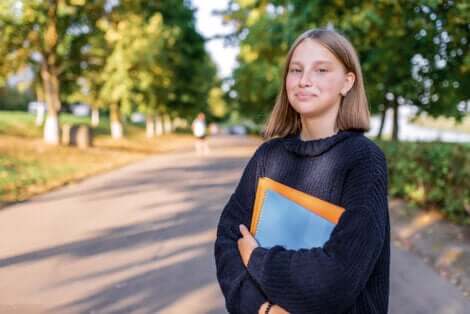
(328,279)
(242,294)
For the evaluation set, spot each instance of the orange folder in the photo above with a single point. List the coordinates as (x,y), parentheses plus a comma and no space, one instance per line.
(286,216)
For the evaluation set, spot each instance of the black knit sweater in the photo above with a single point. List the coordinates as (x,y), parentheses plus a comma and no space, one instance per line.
(350,273)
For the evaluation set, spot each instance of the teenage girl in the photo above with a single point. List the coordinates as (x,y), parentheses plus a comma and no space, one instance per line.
(316,144)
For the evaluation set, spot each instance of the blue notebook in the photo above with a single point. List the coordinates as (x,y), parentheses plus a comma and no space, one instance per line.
(291,218)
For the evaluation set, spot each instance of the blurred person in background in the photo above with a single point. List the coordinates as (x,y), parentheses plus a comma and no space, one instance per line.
(199,130)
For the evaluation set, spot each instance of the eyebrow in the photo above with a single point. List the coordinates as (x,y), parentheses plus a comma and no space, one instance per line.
(315,62)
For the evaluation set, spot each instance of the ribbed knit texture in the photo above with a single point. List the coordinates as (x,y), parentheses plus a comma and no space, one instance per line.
(350,273)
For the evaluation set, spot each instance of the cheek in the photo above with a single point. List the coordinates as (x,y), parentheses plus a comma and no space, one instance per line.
(330,85)
(291,82)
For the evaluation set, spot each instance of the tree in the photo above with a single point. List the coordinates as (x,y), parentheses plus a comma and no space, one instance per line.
(46,34)
(388,36)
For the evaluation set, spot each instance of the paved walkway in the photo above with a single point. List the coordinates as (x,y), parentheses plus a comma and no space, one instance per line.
(140,240)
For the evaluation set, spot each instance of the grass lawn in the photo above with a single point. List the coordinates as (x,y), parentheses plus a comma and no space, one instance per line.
(29,167)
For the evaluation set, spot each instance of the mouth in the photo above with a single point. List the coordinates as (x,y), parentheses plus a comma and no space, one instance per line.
(303,96)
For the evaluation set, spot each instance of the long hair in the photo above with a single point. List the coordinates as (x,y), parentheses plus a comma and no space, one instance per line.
(354,108)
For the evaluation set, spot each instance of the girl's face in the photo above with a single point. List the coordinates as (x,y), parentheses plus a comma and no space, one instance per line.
(316,79)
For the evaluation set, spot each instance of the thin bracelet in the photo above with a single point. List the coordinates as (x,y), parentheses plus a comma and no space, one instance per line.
(268,308)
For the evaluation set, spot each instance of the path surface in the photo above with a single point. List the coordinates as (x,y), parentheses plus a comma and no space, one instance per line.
(140,240)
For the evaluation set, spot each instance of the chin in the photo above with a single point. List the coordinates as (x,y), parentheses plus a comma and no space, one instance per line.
(305,108)
(310,110)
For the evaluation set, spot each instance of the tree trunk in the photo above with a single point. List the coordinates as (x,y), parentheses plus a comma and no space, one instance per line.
(150,126)
(116,124)
(395,120)
(95,117)
(51,95)
(40,112)
(383,115)
(158,125)
(174,123)
(40,100)
(50,77)
(166,124)
(51,129)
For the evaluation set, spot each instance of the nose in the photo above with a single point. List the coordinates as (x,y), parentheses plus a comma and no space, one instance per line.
(305,80)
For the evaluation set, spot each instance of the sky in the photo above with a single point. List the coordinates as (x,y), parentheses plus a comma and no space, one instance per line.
(209,25)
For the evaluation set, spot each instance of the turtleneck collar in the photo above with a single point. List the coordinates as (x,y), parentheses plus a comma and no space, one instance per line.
(295,144)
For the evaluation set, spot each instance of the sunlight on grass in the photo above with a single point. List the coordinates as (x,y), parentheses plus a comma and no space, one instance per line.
(29,167)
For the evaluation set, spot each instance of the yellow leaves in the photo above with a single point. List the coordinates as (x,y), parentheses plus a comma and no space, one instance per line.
(217,105)
(78,2)
(253,17)
(248,54)
(102,24)
(157,70)
(155,23)
(417,194)
(245,3)
(124,24)
(112,35)
(51,35)
(64,9)
(166,81)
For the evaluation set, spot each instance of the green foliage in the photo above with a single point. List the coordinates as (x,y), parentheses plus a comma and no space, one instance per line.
(431,175)
(155,60)
(135,70)
(144,55)
(416,51)
(12,99)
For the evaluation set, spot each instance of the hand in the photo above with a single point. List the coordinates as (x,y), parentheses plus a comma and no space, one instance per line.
(246,244)
(275,309)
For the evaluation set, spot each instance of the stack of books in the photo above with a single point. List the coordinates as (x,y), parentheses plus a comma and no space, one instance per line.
(285,216)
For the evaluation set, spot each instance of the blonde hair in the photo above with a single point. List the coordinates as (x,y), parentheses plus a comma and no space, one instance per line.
(354,108)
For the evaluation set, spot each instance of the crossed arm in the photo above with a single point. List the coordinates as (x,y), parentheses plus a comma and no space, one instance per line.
(242,293)
(307,280)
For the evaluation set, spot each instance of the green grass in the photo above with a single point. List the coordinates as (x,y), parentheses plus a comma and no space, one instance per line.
(29,167)
(18,123)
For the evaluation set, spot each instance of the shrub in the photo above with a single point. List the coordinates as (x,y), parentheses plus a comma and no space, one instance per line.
(432,174)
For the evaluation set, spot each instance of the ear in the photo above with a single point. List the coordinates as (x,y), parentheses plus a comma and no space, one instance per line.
(348,83)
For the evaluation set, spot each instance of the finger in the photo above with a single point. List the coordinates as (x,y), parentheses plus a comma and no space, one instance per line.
(244,231)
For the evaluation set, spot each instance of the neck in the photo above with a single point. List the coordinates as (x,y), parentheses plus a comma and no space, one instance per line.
(316,128)
(306,136)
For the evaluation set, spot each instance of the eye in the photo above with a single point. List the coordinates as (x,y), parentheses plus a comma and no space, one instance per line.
(322,70)
(294,70)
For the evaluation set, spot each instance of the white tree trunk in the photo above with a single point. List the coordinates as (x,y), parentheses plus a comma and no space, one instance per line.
(158,125)
(51,130)
(116,130)
(177,122)
(95,117)
(40,115)
(116,124)
(174,124)
(150,127)
(166,124)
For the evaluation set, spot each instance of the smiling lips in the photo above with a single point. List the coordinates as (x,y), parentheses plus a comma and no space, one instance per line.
(304,96)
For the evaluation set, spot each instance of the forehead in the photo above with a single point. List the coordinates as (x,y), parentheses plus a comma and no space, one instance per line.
(310,51)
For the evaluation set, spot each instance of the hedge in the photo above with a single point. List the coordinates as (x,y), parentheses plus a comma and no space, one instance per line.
(431,174)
